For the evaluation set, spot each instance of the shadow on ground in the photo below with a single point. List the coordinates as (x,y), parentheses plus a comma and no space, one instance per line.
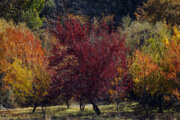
(127,110)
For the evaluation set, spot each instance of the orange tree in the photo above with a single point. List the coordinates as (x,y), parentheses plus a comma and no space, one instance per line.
(21,52)
(145,77)
(155,71)
(171,62)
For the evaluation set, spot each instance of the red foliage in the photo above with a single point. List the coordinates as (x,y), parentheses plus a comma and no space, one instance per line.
(98,51)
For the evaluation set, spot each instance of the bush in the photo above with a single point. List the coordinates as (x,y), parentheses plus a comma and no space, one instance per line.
(138,33)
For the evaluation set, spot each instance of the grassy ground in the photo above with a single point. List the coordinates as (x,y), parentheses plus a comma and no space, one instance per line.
(127,111)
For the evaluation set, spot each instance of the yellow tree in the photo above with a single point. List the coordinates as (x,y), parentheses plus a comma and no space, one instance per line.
(29,83)
(155,71)
(146,78)
(22,53)
(20,78)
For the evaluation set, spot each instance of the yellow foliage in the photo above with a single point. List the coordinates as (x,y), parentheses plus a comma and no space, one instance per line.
(22,59)
(108,18)
(20,78)
(27,81)
(117,91)
(41,81)
(145,73)
(166,98)
(177,94)
(166,42)
(176,35)
(81,18)
(104,19)
(158,75)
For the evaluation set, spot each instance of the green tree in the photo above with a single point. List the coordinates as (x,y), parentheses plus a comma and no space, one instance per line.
(139,33)
(27,11)
(31,14)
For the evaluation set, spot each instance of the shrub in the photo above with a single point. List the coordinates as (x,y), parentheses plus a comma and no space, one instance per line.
(138,33)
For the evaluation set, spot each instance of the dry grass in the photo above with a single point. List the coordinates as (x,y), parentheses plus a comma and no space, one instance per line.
(127,111)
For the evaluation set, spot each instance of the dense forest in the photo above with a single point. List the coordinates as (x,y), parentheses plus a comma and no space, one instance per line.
(89,52)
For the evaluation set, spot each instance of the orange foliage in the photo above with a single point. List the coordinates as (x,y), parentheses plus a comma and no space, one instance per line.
(23,61)
(172,58)
(23,45)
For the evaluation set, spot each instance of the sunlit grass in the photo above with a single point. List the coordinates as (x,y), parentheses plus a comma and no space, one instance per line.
(127,110)
(62,112)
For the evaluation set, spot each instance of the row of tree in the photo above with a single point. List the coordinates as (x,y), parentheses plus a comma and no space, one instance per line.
(89,60)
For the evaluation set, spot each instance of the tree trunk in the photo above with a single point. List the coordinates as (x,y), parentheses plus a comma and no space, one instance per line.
(43,111)
(2,75)
(96,109)
(160,104)
(82,106)
(67,104)
(34,109)
(117,105)
(160,107)
(146,109)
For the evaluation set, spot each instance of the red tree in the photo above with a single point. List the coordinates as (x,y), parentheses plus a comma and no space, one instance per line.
(97,52)
(61,68)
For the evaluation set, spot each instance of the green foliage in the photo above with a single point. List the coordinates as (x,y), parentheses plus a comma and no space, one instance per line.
(6,95)
(32,19)
(154,59)
(31,14)
(27,11)
(50,3)
(139,33)
(155,69)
